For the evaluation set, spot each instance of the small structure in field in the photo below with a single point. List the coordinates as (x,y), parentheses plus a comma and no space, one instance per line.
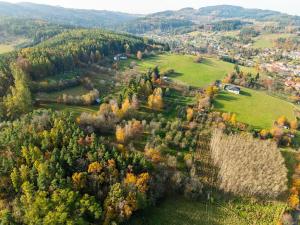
(233,89)
(119,57)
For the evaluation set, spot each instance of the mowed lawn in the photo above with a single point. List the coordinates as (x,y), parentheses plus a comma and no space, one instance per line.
(189,72)
(256,108)
(179,211)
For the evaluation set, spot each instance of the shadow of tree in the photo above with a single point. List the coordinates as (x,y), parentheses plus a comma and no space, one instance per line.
(245,93)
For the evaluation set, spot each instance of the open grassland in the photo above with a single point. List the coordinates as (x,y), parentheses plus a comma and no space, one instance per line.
(255,108)
(178,211)
(74,91)
(6,48)
(267,40)
(77,110)
(10,46)
(189,72)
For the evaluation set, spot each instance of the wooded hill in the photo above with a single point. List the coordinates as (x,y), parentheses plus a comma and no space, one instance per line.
(60,15)
(31,31)
(166,21)
(65,52)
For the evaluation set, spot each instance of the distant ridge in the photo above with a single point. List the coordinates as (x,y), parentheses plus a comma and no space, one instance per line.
(60,15)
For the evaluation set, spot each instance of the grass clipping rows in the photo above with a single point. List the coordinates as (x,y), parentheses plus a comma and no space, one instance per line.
(248,166)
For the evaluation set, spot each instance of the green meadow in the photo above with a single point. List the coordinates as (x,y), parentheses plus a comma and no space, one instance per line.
(256,108)
(179,211)
(189,72)
(267,40)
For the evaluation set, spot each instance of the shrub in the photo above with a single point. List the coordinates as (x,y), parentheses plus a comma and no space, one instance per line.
(248,166)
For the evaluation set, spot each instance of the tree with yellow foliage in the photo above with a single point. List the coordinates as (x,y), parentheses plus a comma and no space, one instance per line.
(189,113)
(153,154)
(155,101)
(126,106)
(120,134)
(211,91)
(282,121)
(142,182)
(95,167)
(293,201)
(264,133)
(116,110)
(233,119)
(130,179)
(79,180)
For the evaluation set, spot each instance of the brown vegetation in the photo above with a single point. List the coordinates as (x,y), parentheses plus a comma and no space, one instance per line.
(248,166)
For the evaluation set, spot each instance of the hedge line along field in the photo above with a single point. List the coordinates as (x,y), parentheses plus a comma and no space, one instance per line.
(189,72)
(255,108)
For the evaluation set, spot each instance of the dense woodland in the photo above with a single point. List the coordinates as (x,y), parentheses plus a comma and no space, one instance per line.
(33,31)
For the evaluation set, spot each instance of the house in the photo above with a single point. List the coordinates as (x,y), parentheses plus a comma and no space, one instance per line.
(233,89)
(119,57)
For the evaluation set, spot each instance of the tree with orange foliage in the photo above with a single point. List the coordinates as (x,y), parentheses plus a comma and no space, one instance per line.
(294,125)
(226,117)
(277,132)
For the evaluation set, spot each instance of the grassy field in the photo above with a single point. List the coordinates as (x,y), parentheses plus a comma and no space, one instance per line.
(75,91)
(77,110)
(189,72)
(267,40)
(178,211)
(254,107)
(6,48)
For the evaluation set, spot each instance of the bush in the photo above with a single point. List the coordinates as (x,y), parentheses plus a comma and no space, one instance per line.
(248,166)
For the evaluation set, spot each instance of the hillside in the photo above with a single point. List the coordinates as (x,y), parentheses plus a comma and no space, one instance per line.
(17,32)
(60,15)
(67,51)
(191,19)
